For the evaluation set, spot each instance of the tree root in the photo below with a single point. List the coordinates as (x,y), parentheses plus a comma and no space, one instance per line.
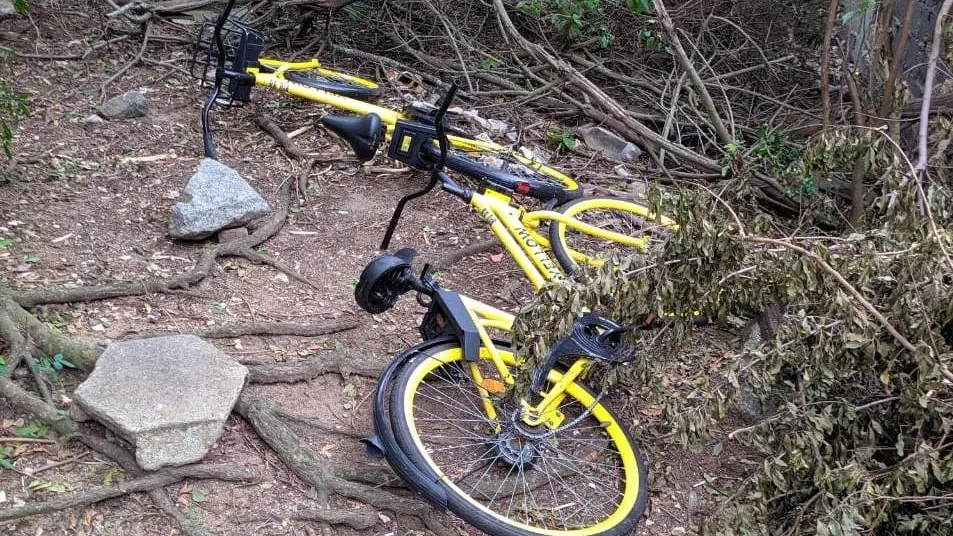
(60,422)
(148,482)
(319,473)
(309,369)
(357,519)
(202,269)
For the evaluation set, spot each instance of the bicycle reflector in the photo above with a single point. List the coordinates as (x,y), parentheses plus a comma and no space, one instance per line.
(408,142)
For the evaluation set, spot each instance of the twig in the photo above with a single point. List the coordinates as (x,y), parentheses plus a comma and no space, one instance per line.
(928,85)
(67,461)
(275,132)
(826,62)
(723,135)
(890,86)
(128,65)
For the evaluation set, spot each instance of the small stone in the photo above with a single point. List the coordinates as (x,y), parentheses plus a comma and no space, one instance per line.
(282,277)
(622,171)
(7,8)
(129,105)
(93,119)
(678,531)
(218,198)
(231,235)
(99,327)
(21,268)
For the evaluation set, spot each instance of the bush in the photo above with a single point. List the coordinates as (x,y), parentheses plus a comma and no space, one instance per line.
(861,441)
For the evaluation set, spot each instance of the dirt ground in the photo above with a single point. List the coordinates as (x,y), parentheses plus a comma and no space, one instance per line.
(88,203)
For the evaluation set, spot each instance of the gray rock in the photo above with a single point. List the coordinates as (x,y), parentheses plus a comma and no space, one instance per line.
(169,396)
(126,106)
(7,8)
(93,119)
(753,409)
(218,199)
(609,144)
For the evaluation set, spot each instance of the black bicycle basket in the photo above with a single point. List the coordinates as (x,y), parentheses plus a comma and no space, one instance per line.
(242,45)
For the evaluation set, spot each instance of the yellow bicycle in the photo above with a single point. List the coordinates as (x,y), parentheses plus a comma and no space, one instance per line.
(449,420)
(229,51)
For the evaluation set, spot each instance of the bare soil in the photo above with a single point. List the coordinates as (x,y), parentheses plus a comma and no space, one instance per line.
(88,203)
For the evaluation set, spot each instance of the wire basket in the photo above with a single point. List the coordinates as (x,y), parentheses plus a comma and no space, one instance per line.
(242,46)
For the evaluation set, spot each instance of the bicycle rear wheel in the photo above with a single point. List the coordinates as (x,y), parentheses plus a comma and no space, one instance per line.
(584,477)
(510,171)
(336,82)
(645,230)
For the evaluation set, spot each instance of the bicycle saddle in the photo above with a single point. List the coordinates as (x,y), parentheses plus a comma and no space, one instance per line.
(364,134)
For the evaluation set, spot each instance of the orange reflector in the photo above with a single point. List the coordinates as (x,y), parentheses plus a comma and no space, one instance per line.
(493,386)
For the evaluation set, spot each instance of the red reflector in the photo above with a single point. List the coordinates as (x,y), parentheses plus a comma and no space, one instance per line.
(522,188)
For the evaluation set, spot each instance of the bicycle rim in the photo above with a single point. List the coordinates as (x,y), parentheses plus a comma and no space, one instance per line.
(646,231)
(586,479)
(336,82)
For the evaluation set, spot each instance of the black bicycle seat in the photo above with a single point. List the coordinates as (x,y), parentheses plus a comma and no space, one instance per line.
(364,134)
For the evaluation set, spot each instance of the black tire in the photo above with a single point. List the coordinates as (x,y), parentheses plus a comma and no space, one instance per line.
(552,464)
(341,84)
(620,216)
(506,171)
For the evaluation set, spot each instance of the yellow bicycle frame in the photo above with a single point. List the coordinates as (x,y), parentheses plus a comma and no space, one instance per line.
(277,81)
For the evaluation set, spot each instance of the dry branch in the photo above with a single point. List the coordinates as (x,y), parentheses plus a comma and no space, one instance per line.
(723,135)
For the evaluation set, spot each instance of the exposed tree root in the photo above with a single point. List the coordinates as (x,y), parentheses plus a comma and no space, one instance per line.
(148,482)
(357,518)
(309,369)
(326,478)
(202,269)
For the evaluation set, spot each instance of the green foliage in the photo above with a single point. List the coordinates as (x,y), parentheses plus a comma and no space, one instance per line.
(861,437)
(35,429)
(864,6)
(13,107)
(572,18)
(490,63)
(356,12)
(642,7)
(6,457)
(561,141)
(774,150)
(654,41)
(21,6)
(3,363)
(51,366)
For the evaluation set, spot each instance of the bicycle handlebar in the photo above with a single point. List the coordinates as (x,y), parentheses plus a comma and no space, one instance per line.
(438,175)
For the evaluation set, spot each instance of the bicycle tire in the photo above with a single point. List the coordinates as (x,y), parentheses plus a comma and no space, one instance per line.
(509,171)
(549,484)
(617,215)
(336,82)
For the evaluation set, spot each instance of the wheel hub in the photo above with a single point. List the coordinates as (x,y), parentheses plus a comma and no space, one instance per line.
(513,450)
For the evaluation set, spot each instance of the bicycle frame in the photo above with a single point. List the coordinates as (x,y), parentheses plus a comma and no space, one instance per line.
(276,80)
(515,228)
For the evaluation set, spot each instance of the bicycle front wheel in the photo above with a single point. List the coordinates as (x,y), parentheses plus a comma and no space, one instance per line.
(624,228)
(582,477)
(336,82)
(510,171)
